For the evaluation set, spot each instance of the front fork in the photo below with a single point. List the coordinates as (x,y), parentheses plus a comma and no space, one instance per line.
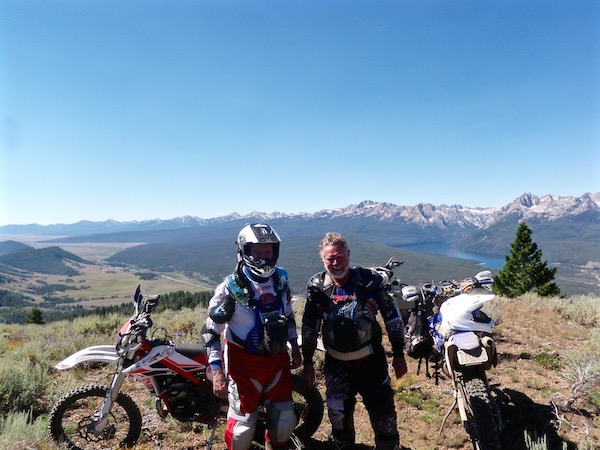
(102,416)
(459,394)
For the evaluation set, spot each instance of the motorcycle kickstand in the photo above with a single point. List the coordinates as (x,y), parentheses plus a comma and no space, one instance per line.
(446,417)
(213,430)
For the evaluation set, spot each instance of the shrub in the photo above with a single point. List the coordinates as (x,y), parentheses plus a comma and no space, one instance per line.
(594,399)
(20,430)
(22,384)
(547,360)
(583,309)
(583,372)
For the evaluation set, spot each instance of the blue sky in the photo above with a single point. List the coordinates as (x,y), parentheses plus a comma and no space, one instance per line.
(134,110)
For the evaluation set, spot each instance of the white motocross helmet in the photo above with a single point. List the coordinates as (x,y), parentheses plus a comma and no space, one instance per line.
(258,233)
(459,314)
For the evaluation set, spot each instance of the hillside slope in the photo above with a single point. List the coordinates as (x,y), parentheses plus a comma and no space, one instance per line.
(542,342)
(544,345)
(50,260)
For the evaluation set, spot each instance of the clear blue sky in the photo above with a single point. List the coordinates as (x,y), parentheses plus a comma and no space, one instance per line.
(135,110)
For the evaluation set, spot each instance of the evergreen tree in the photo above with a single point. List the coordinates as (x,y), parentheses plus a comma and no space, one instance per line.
(524,270)
(35,316)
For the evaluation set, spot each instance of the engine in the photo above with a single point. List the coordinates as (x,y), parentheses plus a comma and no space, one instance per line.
(188,401)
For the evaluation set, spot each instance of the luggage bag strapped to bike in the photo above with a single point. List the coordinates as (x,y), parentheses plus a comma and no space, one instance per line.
(418,343)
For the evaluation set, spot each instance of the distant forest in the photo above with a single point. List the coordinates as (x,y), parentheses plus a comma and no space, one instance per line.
(12,307)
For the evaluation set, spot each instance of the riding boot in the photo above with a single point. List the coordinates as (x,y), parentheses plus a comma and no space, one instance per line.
(335,444)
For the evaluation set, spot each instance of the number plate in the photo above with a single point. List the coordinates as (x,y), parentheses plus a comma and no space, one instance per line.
(466,359)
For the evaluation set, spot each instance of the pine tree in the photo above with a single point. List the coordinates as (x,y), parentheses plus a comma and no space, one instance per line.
(35,316)
(524,270)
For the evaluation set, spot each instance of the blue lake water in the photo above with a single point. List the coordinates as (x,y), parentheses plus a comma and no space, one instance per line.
(436,248)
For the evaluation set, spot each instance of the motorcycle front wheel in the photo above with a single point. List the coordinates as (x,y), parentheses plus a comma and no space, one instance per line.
(308,405)
(71,421)
(480,407)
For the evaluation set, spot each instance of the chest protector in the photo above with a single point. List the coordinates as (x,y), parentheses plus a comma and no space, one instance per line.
(346,325)
(270,332)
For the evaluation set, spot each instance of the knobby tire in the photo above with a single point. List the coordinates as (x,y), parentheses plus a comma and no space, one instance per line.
(308,404)
(69,419)
(484,429)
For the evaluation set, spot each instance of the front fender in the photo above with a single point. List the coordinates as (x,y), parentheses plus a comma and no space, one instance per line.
(97,353)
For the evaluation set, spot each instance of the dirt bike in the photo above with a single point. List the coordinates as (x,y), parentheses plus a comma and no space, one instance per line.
(481,281)
(177,375)
(465,343)
(463,346)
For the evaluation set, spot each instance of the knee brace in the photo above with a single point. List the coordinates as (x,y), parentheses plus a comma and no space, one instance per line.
(282,421)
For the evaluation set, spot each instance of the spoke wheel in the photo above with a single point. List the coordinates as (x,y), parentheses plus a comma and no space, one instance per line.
(308,405)
(73,418)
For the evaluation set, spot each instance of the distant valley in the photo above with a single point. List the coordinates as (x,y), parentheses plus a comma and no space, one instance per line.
(567,229)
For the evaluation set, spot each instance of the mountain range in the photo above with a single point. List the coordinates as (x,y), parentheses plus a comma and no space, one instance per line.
(526,206)
(567,229)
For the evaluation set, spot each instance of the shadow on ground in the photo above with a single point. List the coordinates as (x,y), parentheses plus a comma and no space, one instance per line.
(520,414)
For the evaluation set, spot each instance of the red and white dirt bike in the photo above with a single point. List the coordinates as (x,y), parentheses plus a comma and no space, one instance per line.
(177,375)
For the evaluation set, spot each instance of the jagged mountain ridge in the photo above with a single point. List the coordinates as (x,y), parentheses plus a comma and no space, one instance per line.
(527,206)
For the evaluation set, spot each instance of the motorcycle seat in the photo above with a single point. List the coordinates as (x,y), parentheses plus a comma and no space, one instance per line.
(191,350)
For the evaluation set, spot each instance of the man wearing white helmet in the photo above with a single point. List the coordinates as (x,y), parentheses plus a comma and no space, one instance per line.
(253,308)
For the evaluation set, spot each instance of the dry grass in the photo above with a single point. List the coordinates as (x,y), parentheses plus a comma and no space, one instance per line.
(531,333)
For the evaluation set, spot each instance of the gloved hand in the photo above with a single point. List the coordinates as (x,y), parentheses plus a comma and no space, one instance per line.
(399,365)
(296,358)
(219,383)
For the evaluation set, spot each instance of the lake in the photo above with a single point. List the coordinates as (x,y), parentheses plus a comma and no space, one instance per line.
(437,248)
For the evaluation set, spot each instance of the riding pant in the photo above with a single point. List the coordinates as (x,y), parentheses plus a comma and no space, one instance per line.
(254,380)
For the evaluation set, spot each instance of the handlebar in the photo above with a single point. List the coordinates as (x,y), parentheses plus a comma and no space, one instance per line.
(141,321)
(446,288)
(392,263)
(151,303)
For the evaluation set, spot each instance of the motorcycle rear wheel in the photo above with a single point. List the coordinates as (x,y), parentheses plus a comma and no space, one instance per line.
(480,409)
(71,420)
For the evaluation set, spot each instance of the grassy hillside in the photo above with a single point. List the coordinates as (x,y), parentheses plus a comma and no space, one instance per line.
(94,285)
(50,260)
(546,381)
(7,247)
